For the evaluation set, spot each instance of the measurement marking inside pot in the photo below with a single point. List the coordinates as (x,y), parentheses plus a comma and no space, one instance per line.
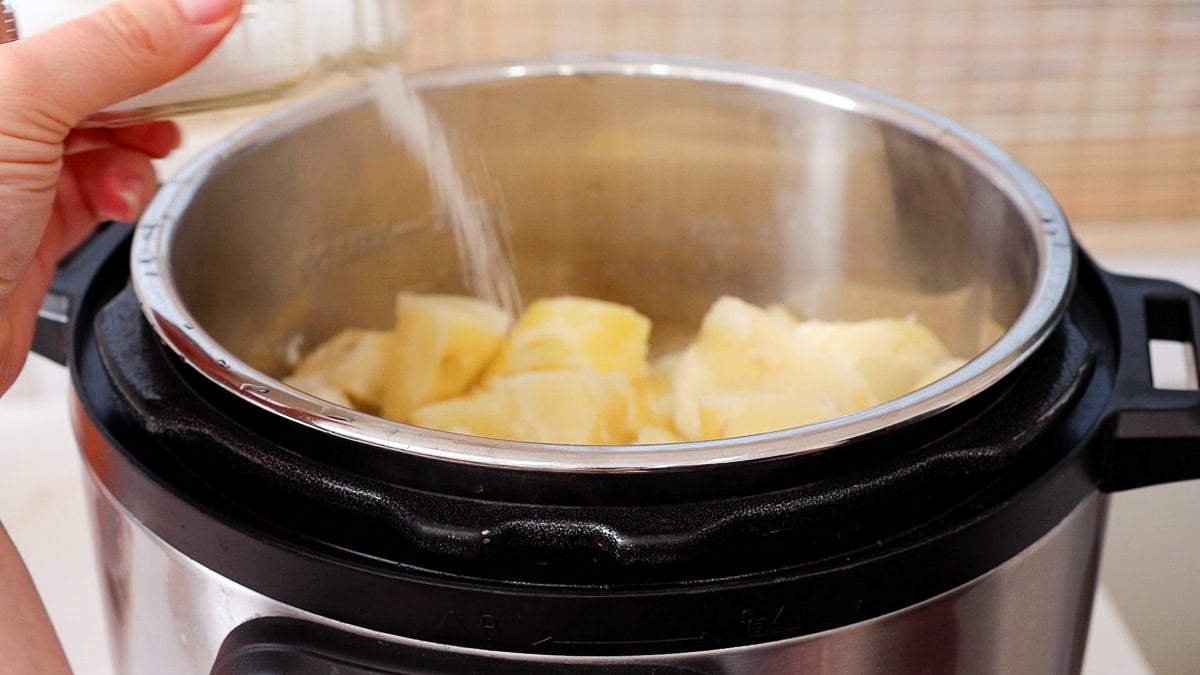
(352,242)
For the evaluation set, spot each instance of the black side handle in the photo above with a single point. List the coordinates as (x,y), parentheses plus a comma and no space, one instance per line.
(1156,431)
(56,318)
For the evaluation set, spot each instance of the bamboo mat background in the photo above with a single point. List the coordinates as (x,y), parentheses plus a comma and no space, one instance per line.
(1100,98)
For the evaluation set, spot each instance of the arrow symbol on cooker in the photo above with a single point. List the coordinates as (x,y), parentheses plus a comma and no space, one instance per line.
(451,628)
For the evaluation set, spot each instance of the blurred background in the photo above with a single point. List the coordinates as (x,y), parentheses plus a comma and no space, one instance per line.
(1100,98)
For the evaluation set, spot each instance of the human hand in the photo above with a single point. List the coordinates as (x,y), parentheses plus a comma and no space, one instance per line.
(57,182)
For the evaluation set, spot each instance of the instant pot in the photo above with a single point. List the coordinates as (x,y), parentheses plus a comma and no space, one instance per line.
(247,527)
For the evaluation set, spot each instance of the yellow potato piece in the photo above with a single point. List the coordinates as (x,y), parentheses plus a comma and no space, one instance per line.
(939,371)
(729,415)
(742,348)
(656,435)
(442,344)
(893,354)
(556,406)
(574,370)
(317,385)
(654,404)
(354,362)
(782,313)
(569,333)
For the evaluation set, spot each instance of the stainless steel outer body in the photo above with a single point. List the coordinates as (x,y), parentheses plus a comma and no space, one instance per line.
(1029,615)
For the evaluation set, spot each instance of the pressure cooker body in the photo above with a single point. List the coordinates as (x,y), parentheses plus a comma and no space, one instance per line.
(956,531)
(226,548)
(171,614)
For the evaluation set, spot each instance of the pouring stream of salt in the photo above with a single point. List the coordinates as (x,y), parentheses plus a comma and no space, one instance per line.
(482,249)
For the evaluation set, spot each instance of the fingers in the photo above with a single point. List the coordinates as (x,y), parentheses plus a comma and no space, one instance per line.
(54,79)
(156,139)
(113,184)
(128,47)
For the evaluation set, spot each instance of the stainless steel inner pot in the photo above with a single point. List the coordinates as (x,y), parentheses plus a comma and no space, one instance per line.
(661,182)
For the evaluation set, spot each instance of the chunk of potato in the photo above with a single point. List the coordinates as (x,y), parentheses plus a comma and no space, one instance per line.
(893,354)
(317,385)
(742,348)
(552,406)
(574,370)
(782,313)
(568,333)
(653,400)
(733,414)
(442,344)
(354,362)
(656,435)
(939,371)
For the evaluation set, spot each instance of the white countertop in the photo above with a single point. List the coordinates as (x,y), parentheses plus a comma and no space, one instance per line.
(42,504)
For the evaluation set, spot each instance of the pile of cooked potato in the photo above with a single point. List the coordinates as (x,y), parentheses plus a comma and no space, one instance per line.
(576,370)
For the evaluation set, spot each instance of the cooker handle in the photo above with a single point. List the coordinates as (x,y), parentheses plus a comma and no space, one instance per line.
(1156,432)
(72,281)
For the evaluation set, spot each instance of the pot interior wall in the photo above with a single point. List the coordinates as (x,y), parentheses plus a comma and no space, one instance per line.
(660,193)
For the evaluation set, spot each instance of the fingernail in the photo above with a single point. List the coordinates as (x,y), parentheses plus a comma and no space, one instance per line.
(133,205)
(207,11)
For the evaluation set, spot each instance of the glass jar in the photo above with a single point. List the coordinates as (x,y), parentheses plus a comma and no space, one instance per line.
(276,46)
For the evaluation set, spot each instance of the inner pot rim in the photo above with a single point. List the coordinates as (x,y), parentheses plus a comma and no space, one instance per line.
(153,281)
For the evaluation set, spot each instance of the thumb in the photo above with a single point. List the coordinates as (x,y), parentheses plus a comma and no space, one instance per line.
(124,49)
